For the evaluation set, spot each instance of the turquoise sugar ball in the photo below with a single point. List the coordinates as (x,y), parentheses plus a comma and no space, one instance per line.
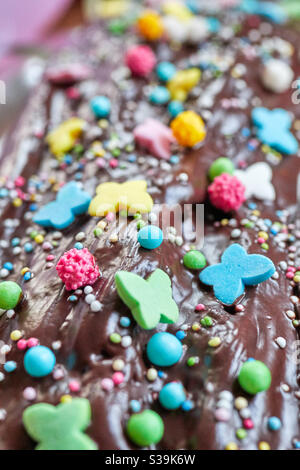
(164,349)
(159,95)
(150,237)
(175,108)
(165,71)
(172,396)
(39,361)
(100,105)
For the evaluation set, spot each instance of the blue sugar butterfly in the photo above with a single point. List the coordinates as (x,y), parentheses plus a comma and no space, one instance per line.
(273,129)
(236,270)
(70,201)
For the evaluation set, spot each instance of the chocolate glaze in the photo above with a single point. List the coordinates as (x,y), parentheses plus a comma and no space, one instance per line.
(86,352)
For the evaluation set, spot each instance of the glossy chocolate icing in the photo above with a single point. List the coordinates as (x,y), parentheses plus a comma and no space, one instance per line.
(86,353)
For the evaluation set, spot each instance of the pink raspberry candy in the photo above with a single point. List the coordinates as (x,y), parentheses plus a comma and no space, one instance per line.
(226,192)
(141,60)
(77,268)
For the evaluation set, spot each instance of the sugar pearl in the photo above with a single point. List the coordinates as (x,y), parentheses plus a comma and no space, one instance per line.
(277,76)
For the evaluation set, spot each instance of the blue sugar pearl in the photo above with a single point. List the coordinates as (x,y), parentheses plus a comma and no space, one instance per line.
(159,95)
(33,207)
(3,192)
(172,396)
(252,205)
(187,405)
(68,159)
(27,276)
(246,132)
(180,335)
(10,366)
(73,298)
(175,108)
(164,349)
(39,361)
(131,158)
(135,406)
(100,105)
(150,237)
(165,71)
(15,241)
(8,266)
(274,423)
(161,374)
(125,322)
(297,444)
(78,246)
(28,247)
(78,175)
(213,24)
(174,159)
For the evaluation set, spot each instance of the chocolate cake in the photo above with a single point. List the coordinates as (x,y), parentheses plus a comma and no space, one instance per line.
(117,334)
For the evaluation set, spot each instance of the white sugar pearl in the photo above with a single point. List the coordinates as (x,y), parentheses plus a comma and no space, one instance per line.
(281,342)
(1,376)
(80,236)
(126,341)
(245,413)
(17,250)
(197,29)
(176,30)
(277,76)
(90,298)
(224,404)
(10,313)
(95,306)
(4,273)
(226,395)
(88,290)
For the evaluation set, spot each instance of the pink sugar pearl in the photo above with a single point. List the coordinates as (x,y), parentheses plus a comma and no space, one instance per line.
(222,414)
(77,268)
(29,393)
(107,384)
(199,307)
(248,423)
(141,60)
(226,192)
(74,386)
(31,342)
(118,378)
(22,344)
(110,216)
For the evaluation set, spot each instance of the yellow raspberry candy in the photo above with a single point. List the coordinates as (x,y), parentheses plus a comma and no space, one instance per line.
(188,128)
(231,446)
(150,26)
(182,83)
(62,139)
(264,445)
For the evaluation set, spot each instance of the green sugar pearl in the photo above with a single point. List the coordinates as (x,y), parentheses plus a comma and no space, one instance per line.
(206,321)
(146,428)
(115,338)
(10,295)
(194,260)
(220,166)
(254,377)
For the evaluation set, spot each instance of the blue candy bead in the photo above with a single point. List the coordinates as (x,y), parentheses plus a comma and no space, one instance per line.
(28,247)
(159,95)
(10,366)
(135,406)
(8,266)
(39,361)
(187,405)
(172,396)
(78,246)
(15,241)
(274,423)
(100,105)
(175,108)
(125,322)
(165,71)
(180,334)
(164,349)
(150,237)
